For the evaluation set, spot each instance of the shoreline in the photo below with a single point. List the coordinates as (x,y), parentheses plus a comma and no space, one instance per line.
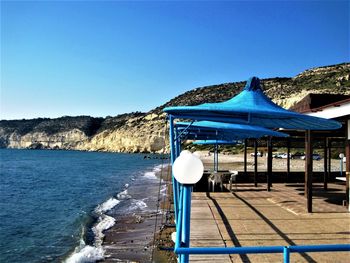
(128,235)
(121,228)
(131,238)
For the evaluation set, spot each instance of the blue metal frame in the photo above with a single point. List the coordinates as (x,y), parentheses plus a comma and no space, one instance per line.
(173,156)
(182,207)
(263,250)
(286,250)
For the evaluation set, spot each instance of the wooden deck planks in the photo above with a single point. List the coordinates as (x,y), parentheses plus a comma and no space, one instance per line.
(204,231)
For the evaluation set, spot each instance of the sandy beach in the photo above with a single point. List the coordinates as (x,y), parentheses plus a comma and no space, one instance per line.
(236,162)
(131,238)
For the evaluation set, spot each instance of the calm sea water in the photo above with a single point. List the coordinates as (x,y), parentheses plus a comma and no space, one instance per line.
(48,198)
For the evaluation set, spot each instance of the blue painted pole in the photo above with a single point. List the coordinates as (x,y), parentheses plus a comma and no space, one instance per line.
(286,255)
(179,227)
(178,151)
(320,248)
(186,219)
(172,158)
(177,142)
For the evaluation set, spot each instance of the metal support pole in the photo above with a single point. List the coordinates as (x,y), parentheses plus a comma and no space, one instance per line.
(288,159)
(172,158)
(178,151)
(341,167)
(286,254)
(308,170)
(347,164)
(255,163)
(325,162)
(329,145)
(269,164)
(178,143)
(214,164)
(217,157)
(179,224)
(186,219)
(245,157)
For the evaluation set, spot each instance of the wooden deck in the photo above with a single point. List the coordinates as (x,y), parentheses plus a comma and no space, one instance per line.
(205,231)
(253,217)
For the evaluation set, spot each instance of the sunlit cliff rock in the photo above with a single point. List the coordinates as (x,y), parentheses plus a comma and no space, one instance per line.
(146,132)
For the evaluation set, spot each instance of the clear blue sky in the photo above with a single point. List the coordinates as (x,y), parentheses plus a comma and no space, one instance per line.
(106,58)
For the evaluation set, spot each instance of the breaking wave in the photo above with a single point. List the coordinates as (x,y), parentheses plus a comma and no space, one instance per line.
(153,173)
(86,253)
(91,253)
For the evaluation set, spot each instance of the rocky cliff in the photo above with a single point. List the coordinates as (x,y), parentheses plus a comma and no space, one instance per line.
(146,132)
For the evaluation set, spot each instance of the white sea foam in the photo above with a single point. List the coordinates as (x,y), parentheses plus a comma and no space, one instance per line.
(141,204)
(156,169)
(123,195)
(104,222)
(136,205)
(86,255)
(150,175)
(107,205)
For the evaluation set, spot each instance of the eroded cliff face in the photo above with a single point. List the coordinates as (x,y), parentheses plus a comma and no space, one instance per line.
(147,132)
(60,133)
(42,140)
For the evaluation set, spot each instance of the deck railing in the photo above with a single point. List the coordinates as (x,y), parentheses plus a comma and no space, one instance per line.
(182,242)
(286,250)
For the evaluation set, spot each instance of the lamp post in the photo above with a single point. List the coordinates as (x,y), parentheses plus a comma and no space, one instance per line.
(341,156)
(188,170)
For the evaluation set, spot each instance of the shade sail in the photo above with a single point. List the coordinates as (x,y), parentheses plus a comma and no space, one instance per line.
(253,107)
(205,130)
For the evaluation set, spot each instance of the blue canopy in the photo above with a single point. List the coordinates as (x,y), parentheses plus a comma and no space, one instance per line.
(252,106)
(211,142)
(205,130)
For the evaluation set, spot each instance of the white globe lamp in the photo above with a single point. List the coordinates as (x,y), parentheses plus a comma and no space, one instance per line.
(196,154)
(187,168)
(185,152)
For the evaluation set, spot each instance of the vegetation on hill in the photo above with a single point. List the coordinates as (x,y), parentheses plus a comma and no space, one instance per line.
(86,124)
(140,132)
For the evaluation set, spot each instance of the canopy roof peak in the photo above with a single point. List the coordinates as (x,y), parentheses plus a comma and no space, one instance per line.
(253,84)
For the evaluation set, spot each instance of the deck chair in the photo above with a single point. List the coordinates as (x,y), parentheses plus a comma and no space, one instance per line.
(213,179)
(233,179)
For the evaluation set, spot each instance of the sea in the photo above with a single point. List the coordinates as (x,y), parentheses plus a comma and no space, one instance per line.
(56,205)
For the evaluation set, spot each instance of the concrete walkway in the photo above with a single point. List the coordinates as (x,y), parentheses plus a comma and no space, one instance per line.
(253,217)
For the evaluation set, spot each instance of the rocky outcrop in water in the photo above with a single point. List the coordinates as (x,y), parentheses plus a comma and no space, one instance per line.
(146,132)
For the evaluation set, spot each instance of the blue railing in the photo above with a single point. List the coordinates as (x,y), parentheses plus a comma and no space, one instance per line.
(286,250)
(182,242)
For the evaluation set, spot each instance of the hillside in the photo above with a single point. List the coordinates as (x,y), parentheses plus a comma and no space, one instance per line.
(145,132)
